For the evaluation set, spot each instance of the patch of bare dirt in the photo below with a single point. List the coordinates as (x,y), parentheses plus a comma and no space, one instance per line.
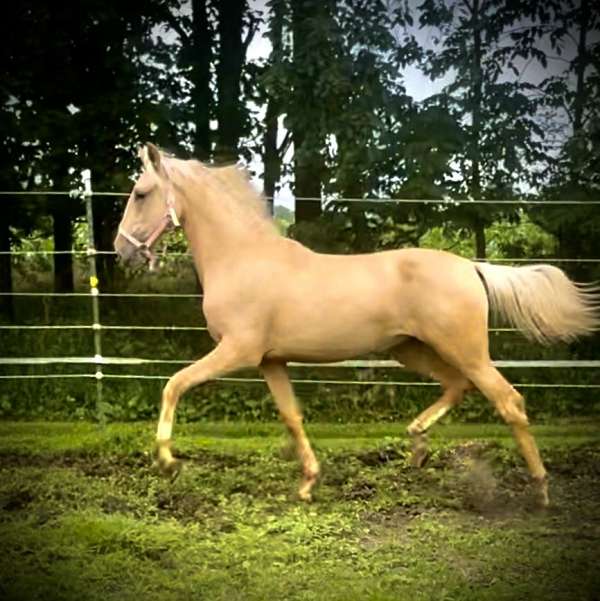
(15,500)
(477,478)
(383,455)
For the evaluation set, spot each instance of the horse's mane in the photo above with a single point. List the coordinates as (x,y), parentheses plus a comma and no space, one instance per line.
(230,187)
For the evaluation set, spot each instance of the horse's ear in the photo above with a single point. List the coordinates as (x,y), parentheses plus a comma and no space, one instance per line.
(150,157)
(153,154)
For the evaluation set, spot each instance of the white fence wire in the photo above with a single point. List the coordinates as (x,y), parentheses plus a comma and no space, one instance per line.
(99,361)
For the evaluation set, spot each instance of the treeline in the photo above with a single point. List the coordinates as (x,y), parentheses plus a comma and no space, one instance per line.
(325,106)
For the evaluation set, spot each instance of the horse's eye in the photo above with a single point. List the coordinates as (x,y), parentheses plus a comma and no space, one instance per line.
(140,195)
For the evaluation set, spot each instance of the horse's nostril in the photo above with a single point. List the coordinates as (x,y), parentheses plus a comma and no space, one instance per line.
(124,250)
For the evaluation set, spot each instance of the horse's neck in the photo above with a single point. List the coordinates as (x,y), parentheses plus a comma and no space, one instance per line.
(215,242)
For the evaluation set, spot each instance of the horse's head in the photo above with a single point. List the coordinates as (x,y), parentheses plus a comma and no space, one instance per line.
(150,209)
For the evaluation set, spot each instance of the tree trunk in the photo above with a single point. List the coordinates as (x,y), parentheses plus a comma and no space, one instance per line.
(63,241)
(229,72)
(201,40)
(306,136)
(308,169)
(106,221)
(476,125)
(272,156)
(581,64)
(6,302)
(480,243)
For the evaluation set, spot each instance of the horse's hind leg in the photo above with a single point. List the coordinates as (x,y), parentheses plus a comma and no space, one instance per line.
(458,332)
(280,386)
(417,356)
(511,406)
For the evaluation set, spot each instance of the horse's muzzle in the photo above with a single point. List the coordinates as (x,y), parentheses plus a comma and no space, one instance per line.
(134,256)
(124,249)
(127,252)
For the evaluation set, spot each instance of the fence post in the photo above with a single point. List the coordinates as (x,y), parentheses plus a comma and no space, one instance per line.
(86,176)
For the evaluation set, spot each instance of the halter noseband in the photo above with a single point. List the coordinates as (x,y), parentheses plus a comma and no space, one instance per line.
(168,219)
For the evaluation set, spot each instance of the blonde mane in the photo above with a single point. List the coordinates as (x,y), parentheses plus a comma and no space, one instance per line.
(228,187)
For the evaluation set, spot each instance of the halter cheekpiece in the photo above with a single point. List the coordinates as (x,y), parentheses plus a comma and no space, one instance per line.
(169,219)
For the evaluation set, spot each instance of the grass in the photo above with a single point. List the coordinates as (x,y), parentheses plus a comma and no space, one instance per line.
(84,516)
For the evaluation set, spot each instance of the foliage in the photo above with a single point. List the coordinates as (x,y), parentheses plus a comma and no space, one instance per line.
(570,96)
(73,124)
(162,71)
(496,111)
(347,99)
(283,217)
(335,80)
(505,239)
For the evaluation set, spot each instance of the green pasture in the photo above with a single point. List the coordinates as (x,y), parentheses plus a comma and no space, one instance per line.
(83,515)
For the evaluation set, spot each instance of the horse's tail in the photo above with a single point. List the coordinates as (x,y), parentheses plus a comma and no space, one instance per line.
(541,301)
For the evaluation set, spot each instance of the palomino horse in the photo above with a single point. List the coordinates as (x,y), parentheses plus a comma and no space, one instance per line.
(269,300)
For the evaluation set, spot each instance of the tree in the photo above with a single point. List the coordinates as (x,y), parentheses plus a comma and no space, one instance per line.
(311,87)
(14,157)
(233,45)
(212,38)
(272,91)
(200,55)
(194,55)
(101,110)
(488,97)
(571,96)
(339,88)
(367,154)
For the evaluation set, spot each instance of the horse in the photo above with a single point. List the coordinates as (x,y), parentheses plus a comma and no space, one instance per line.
(269,300)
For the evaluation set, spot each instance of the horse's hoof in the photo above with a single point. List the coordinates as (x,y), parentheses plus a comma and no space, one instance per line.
(305,496)
(305,490)
(169,469)
(174,469)
(540,489)
(419,457)
(419,451)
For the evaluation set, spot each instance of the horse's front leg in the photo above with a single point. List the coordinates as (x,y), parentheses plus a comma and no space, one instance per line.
(228,356)
(280,386)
